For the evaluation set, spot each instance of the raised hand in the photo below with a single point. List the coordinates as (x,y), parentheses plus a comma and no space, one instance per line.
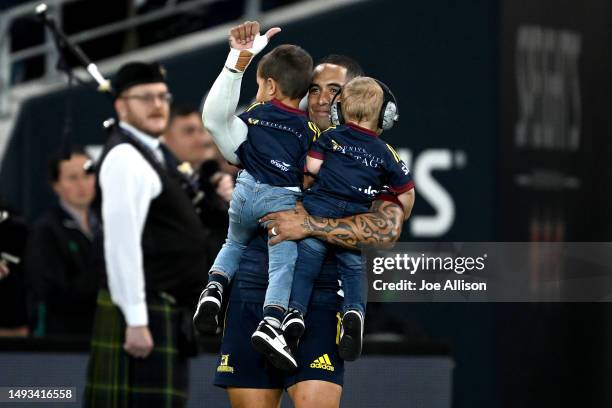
(243,37)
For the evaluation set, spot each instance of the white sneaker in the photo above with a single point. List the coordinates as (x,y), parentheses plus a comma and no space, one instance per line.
(205,317)
(270,341)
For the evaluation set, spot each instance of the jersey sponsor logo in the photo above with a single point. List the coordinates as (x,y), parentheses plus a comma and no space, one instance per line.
(371,161)
(224,366)
(367,190)
(323,363)
(274,125)
(280,165)
(336,147)
(358,153)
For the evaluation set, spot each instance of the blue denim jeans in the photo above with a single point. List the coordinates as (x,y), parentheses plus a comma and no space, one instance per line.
(312,253)
(252,200)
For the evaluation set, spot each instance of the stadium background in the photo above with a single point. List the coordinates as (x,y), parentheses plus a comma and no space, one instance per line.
(504,124)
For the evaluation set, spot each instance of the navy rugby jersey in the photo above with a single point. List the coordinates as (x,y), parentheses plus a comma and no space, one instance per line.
(278,139)
(357,166)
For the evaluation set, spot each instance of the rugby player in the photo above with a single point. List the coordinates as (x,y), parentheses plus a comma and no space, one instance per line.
(250,382)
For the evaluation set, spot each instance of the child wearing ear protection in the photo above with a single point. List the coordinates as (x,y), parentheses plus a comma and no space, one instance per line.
(352,166)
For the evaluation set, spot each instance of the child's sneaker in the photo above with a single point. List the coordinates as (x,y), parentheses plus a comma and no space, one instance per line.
(351,335)
(270,341)
(293,325)
(205,317)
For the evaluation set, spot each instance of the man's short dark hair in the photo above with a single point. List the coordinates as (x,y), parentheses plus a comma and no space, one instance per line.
(290,66)
(62,155)
(182,110)
(353,69)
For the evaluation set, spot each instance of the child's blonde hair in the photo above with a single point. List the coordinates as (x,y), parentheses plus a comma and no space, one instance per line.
(361,100)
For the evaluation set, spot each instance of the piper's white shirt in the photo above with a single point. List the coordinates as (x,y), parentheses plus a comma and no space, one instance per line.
(128,184)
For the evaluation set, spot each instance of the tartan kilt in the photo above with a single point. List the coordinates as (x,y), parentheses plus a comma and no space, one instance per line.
(115,379)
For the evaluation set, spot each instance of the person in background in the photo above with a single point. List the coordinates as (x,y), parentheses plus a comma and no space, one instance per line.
(13,311)
(153,255)
(61,274)
(212,188)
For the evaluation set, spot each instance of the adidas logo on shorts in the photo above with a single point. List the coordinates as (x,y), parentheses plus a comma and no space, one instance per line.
(322,362)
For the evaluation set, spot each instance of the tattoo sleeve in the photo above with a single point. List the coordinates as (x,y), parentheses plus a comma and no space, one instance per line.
(379,227)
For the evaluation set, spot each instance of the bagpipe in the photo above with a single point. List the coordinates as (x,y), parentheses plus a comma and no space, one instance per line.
(71,56)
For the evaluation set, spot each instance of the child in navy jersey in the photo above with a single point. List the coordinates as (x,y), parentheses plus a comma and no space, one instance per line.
(352,165)
(272,157)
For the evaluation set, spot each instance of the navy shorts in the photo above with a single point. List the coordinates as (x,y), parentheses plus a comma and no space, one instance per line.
(317,355)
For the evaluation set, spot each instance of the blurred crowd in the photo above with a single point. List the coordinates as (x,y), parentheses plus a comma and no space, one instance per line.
(78,16)
(50,269)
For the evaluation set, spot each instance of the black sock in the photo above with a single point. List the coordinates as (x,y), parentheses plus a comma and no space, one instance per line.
(221,280)
(274,312)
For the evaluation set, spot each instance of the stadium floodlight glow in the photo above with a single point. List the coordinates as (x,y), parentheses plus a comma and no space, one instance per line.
(41,8)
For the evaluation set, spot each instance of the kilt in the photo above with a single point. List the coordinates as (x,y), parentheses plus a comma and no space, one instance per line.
(115,379)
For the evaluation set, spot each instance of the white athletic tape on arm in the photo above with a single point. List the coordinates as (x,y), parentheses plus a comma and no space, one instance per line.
(239,60)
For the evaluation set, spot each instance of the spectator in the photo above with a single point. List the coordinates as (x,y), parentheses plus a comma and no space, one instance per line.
(13,315)
(61,271)
(191,143)
(187,138)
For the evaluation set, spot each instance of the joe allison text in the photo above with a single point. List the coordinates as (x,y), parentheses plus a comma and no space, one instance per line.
(425,286)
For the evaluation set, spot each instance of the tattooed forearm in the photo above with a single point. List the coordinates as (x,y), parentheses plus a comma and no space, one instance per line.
(380,227)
